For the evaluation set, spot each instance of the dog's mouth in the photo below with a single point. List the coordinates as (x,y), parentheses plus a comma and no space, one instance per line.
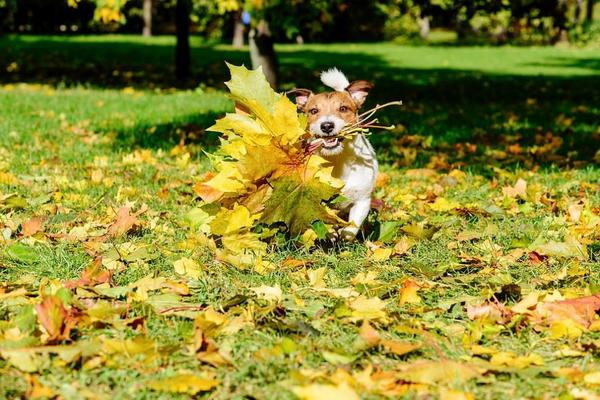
(324,143)
(331,142)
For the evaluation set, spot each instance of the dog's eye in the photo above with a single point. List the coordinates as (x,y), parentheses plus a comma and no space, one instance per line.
(344,109)
(313,111)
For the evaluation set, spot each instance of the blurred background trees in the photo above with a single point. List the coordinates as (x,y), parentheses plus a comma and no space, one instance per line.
(261,23)
(524,21)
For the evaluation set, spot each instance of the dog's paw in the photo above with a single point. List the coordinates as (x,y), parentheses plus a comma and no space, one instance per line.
(348,234)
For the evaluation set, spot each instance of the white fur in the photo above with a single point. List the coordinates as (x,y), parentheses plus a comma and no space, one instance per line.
(356,164)
(335,79)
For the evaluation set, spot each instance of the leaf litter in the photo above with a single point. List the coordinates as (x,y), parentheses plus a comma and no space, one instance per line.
(467,284)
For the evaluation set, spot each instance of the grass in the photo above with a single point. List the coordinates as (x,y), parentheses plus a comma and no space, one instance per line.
(89,124)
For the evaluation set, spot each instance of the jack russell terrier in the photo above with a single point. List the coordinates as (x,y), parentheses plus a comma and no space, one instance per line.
(353,160)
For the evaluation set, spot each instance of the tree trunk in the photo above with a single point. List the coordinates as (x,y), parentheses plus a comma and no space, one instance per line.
(182,50)
(147,11)
(560,21)
(424,27)
(238,30)
(262,52)
(589,11)
(577,13)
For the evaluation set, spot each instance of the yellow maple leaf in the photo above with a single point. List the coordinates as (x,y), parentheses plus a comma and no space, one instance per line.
(270,293)
(592,378)
(441,204)
(229,221)
(184,383)
(244,243)
(365,308)
(228,180)
(566,328)
(262,174)
(188,267)
(447,394)
(325,392)
(409,292)
(244,127)
(381,254)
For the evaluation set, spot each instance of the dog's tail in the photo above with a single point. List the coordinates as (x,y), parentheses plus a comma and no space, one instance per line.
(335,79)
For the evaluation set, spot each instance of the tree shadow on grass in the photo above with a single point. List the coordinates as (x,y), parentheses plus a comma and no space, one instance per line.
(449,117)
(591,64)
(186,129)
(98,62)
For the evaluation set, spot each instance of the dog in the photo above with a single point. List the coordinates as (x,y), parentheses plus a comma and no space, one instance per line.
(354,160)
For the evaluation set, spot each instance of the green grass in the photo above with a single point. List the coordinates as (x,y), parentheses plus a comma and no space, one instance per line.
(75,106)
(453,94)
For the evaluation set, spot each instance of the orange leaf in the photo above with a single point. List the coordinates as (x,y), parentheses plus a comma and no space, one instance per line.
(369,334)
(207,193)
(31,227)
(399,348)
(56,319)
(489,311)
(409,292)
(125,221)
(93,275)
(581,310)
(536,258)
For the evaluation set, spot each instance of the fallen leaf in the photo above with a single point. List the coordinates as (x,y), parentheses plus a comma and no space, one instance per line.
(439,372)
(365,308)
(325,392)
(402,246)
(188,267)
(491,312)
(125,221)
(381,254)
(592,378)
(32,226)
(581,310)
(269,293)
(56,319)
(447,394)
(22,253)
(369,334)
(409,292)
(399,348)
(519,190)
(570,248)
(183,383)
(93,275)
(36,390)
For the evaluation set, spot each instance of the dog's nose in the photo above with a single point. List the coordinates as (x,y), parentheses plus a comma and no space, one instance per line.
(327,127)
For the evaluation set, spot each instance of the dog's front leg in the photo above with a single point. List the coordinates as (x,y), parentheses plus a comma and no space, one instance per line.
(358,213)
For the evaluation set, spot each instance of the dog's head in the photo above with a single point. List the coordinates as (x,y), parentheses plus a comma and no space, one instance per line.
(328,113)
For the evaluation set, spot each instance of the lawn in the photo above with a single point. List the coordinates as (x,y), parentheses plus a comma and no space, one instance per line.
(489,226)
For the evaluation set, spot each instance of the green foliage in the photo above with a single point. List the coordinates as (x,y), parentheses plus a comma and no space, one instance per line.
(497,21)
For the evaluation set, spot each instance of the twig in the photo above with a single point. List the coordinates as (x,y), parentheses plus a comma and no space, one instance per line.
(182,308)
(364,123)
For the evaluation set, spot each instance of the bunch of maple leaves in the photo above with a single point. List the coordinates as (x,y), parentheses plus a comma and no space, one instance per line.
(263,175)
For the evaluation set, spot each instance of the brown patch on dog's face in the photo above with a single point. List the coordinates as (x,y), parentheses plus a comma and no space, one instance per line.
(335,104)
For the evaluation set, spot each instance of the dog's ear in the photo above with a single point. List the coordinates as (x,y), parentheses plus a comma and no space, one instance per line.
(302,96)
(359,91)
